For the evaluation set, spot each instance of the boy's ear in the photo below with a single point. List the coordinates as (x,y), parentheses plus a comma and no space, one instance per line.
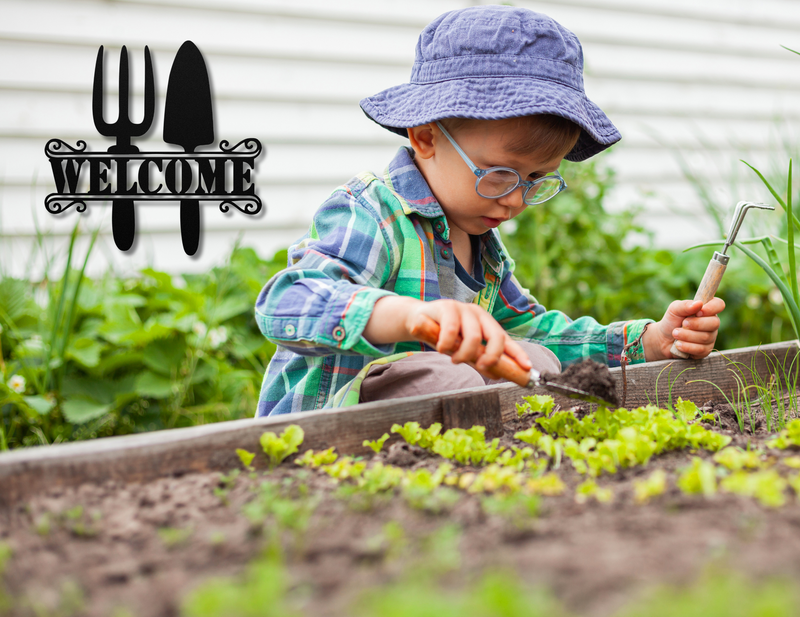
(423,139)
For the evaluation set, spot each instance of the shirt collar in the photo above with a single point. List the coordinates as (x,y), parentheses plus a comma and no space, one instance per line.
(406,180)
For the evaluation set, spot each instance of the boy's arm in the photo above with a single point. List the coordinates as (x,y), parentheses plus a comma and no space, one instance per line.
(524,318)
(321,303)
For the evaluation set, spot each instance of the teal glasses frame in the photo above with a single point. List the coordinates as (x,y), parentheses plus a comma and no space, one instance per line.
(528,184)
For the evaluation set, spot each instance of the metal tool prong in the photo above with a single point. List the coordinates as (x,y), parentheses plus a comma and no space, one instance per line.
(738,217)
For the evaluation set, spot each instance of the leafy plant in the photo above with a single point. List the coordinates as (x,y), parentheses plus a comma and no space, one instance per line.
(652,486)
(278,448)
(788,437)
(376,444)
(589,489)
(317,459)
(767,486)
(700,477)
(246,457)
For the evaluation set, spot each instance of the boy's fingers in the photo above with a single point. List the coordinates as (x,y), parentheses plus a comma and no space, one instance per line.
(703,324)
(714,306)
(700,337)
(495,342)
(469,350)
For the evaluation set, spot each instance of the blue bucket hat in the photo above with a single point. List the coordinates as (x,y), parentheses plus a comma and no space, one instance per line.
(490,63)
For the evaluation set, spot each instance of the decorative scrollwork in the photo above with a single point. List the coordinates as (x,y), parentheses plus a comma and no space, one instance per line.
(54,204)
(251,145)
(54,147)
(251,206)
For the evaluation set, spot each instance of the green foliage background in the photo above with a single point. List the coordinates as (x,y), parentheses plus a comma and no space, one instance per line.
(116,356)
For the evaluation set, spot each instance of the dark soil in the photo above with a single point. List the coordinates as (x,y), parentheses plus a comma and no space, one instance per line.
(143,547)
(589,376)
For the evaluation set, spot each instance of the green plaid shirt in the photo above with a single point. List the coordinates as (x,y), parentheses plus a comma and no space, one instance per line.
(375,237)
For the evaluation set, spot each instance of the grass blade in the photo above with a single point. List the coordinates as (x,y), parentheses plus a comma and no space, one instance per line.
(792,217)
(790,237)
(788,299)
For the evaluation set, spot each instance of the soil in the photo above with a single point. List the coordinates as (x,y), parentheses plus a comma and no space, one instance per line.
(141,548)
(589,376)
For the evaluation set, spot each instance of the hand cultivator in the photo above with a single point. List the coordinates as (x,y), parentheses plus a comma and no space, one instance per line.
(716,267)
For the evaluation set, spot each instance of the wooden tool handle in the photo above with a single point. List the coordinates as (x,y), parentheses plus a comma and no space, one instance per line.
(427,330)
(708,287)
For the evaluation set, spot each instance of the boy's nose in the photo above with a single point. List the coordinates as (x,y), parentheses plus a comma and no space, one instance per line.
(513,199)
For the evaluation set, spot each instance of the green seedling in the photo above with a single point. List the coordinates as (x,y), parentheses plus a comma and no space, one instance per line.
(278,448)
(495,478)
(530,436)
(416,436)
(225,484)
(709,417)
(686,410)
(518,508)
(537,403)
(788,437)
(699,478)
(767,486)
(549,484)
(652,486)
(794,482)
(793,462)
(589,489)
(173,537)
(314,460)
(735,459)
(345,468)
(377,444)
(246,458)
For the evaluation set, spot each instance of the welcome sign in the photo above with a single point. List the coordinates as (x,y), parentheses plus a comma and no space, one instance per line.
(123,175)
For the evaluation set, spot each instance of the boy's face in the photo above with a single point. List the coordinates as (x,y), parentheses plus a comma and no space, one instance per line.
(453,182)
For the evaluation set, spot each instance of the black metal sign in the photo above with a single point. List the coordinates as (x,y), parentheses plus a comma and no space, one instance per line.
(124,175)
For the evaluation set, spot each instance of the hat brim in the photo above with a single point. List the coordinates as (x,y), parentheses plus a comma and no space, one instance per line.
(407,105)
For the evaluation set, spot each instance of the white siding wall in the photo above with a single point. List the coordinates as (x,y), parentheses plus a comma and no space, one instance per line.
(706,77)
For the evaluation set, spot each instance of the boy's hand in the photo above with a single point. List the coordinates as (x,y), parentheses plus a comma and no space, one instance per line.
(692,326)
(473,325)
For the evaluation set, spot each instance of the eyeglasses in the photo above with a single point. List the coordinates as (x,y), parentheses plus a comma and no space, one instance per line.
(499,181)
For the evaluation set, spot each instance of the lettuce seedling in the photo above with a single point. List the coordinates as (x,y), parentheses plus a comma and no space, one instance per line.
(380,478)
(794,482)
(699,477)
(686,410)
(317,459)
(736,459)
(530,436)
(792,462)
(549,485)
(377,444)
(246,458)
(278,448)
(496,478)
(344,469)
(537,403)
(767,486)
(652,486)
(788,437)
(589,489)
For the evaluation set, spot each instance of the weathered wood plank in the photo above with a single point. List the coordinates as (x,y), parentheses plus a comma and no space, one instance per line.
(139,458)
(471,408)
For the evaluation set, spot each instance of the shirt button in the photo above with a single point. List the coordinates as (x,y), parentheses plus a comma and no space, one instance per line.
(445,252)
(290,330)
(338,333)
(439,227)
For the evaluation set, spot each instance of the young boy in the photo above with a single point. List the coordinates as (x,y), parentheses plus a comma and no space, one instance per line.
(494,104)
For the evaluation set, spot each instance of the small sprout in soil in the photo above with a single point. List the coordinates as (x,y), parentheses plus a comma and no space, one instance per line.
(735,459)
(792,462)
(42,525)
(686,410)
(794,482)
(537,403)
(518,508)
(246,458)
(317,459)
(710,418)
(5,555)
(217,538)
(226,483)
(589,489)
(530,436)
(699,478)
(767,486)
(788,437)
(377,444)
(652,486)
(173,537)
(549,485)
(278,448)
(73,514)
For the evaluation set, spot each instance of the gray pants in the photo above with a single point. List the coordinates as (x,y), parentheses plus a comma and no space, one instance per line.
(432,373)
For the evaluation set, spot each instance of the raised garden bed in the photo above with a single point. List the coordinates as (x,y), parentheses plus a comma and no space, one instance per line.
(139,524)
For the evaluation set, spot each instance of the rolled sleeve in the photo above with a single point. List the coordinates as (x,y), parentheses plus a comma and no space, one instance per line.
(321,303)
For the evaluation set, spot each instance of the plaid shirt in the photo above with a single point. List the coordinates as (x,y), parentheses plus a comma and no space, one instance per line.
(375,237)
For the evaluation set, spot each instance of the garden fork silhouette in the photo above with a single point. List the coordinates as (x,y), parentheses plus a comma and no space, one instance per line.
(123,217)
